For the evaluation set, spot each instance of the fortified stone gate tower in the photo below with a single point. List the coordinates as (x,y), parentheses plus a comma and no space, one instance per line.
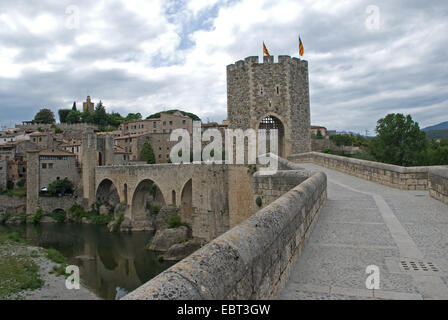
(271,95)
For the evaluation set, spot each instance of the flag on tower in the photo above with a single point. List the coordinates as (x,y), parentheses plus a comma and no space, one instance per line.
(301,50)
(265,50)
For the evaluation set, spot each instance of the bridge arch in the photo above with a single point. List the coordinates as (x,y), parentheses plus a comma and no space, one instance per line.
(107,194)
(146,192)
(186,201)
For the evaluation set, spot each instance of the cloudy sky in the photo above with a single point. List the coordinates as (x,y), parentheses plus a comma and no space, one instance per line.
(366,58)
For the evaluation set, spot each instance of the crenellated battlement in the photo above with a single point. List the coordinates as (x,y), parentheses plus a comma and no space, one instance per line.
(254,60)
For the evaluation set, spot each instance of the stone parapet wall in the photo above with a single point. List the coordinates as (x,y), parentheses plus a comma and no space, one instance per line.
(406,178)
(271,187)
(438,183)
(251,261)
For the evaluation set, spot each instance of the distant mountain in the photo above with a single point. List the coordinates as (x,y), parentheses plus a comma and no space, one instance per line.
(436,134)
(440,126)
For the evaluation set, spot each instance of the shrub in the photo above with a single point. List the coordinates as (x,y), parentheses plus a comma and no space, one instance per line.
(258,201)
(21,183)
(9,185)
(37,216)
(59,216)
(153,208)
(60,187)
(78,212)
(174,221)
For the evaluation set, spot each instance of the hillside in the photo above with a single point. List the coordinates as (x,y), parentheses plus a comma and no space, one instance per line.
(191,115)
(440,126)
(436,134)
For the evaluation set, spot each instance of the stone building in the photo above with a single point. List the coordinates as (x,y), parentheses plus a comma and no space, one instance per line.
(73,146)
(165,124)
(88,106)
(41,139)
(272,96)
(55,165)
(315,130)
(3,173)
(133,144)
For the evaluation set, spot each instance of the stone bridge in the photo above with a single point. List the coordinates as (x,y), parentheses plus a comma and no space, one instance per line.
(211,198)
(316,240)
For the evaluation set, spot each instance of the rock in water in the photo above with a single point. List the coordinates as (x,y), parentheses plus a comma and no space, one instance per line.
(180,251)
(164,239)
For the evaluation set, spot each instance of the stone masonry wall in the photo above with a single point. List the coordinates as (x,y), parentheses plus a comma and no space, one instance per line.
(438,184)
(12,204)
(407,178)
(271,187)
(3,173)
(241,195)
(251,261)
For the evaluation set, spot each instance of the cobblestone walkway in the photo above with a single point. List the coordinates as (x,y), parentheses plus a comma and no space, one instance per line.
(404,233)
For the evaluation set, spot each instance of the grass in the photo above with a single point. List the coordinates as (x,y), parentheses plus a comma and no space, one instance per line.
(18,272)
(11,237)
(55,256)
(19,192)
(59,270)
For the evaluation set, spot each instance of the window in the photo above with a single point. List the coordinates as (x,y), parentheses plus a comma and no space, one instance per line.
(184,121)
(40,139)
(278,90)
(154,124)
(160,156)
(44,166)
(261,90)
(171,123)
(50,166)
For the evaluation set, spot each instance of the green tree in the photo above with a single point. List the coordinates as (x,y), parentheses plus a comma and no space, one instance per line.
(60,186)
(100,115)
(74,106)
(133,117)
(45,116)
(191,115)
(63,113)
(147,154)
(87,117)
(399,141)
(342,139)
(74,117)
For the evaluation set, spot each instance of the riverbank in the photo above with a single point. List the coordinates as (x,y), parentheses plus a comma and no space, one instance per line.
(27,273)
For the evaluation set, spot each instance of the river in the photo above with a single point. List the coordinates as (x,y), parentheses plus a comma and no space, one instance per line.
(110,264)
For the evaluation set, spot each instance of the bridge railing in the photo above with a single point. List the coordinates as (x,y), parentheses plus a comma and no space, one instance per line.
(438,184)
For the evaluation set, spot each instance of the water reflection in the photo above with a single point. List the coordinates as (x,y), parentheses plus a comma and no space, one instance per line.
(111,264)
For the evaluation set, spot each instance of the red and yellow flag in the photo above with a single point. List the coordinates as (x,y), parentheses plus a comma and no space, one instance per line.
(265,50)
(301,50)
